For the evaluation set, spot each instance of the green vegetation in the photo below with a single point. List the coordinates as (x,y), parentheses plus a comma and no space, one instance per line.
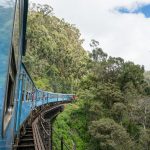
(112,111)
(54,56)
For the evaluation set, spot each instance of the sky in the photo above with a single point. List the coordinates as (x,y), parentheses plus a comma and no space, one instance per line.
(122,27)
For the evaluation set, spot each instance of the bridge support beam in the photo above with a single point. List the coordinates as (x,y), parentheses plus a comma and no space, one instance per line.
(62,143)
(50,136)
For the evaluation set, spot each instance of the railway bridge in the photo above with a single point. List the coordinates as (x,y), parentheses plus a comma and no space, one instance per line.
(37,131)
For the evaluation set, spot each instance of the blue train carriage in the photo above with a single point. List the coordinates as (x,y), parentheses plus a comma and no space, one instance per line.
(13,16)
(18,94)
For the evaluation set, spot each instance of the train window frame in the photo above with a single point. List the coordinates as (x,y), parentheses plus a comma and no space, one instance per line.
(28,90)
(23,87)
(9,100)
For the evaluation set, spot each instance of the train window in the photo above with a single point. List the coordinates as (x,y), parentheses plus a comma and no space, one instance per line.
(9,102)
(24,90)
(23,93)
(27,89)
(23,87)
(30,95)
(26,96)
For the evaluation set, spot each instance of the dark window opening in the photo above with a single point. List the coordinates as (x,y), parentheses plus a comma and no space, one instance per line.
(23,93)
(26,96)
(9,103)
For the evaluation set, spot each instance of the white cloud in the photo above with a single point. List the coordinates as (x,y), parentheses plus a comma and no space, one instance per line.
(122,35)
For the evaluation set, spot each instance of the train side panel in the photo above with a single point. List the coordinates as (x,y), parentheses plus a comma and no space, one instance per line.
(18,94)
(11,48)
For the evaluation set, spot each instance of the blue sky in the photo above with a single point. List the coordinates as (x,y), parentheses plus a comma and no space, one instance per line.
(124,33)
(144,9)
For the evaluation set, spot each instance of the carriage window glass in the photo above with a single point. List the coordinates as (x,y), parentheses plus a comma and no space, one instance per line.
(27,86)
(30,87)
(26,89)
(16,33)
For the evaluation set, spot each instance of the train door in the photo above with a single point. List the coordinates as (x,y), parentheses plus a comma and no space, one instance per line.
(12,71)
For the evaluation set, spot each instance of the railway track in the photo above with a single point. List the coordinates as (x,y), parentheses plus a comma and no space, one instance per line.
(36,132)
(26,142)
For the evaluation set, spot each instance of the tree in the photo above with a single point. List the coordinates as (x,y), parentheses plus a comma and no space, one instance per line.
(109,135)
(54,50)
(118,111)
(109,94)
(97,54)
(131,73)
(145,139)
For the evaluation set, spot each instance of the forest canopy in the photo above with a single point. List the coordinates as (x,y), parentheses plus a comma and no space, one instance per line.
(112,111)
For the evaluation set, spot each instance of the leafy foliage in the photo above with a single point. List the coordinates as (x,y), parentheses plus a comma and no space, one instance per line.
(110,135)
(112,110)
(54,50)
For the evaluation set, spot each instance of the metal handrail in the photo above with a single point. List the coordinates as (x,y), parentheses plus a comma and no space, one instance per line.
(42,122)
(44,129)
(54,132)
